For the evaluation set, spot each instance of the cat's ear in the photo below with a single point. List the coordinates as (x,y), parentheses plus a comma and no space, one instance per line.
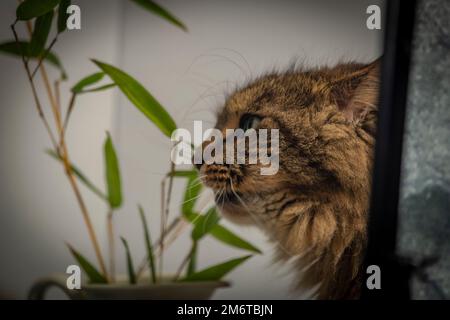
(356,94)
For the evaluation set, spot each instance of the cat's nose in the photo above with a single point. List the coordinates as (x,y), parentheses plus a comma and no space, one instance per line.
(197,158)
(197,165)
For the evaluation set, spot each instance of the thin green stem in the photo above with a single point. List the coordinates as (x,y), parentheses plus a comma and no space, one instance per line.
(111,243)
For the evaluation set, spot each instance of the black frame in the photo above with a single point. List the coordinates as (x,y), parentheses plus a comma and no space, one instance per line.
(383,218)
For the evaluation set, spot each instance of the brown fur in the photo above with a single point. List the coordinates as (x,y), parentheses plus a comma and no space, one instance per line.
(315,207)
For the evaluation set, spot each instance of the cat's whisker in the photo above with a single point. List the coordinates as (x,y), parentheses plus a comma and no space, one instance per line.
(191,199)
(205,94)
(195,219)
(241,56)
(257,219)
(220,194)
(200,177)
(206,80)
(198,217)
(205,222)
(215,55)
(224,192)
(195,184)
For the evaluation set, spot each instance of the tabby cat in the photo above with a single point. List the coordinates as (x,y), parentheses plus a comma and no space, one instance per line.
(315,207)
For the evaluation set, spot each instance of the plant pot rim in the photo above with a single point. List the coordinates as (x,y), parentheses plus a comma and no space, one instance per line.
(122,289)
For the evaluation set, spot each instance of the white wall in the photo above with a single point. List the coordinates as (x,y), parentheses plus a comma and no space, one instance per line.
(38,208)
(188,73)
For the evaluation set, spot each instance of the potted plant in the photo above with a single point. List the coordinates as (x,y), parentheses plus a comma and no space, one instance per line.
(102,281)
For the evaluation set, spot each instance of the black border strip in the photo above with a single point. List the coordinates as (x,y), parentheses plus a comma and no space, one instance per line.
(382,227)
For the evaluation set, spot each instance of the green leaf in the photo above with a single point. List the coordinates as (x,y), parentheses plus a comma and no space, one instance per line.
(148,244)
(191,194)
(100,88)
(16,49)
(215,272)
(131,274)
(23,47)
(183,173)
(87,81)
(140,97)
(112,174)
(192,217)
(205,224)
(63,15)
(160,11)
(192,259)
(93,274)
(40,33)
(79,175)
(30,9)
(226,236)
(222,234)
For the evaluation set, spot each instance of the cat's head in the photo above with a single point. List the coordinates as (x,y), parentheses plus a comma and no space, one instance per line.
(326,120)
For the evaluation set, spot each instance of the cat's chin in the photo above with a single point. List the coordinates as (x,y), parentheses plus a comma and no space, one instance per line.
(235,214)
(231,207)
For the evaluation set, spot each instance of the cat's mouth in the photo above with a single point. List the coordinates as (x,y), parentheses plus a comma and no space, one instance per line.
(232,206)
(226,198)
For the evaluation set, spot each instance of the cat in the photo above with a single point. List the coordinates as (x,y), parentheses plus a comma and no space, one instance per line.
(315,207)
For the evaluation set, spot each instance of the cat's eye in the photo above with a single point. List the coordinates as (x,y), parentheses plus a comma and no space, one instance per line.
(249,121)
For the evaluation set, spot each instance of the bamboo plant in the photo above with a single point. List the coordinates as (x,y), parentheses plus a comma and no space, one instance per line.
(35,52)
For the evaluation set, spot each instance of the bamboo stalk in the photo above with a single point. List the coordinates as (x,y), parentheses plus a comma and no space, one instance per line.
(165,214)
(69,112)
(43,56)
(61,148)
(177,226)
(112,263)
(34,91)
(57,94)
(161,242)
(184,262)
